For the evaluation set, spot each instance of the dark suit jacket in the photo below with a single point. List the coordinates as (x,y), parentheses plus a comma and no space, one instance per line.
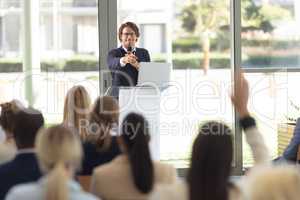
(24,168)
(290,153)
(127,75)
(93,158)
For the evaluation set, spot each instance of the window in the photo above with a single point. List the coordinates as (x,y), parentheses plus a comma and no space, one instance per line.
(270,53)
(200,56)
(67,53)
(10,48)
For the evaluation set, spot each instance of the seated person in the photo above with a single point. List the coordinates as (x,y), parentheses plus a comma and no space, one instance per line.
(8,147)
(101,146)
(59,153)
(290,153)
(133,174)
(76,109)
(24,167)
(273,183)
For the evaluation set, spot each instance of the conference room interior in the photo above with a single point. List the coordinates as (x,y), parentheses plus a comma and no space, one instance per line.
(48,46)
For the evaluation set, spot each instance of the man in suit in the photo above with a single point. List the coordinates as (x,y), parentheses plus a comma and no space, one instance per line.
(24,167)
(123,62)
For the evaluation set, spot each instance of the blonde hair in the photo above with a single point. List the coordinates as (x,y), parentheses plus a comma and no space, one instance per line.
(58,149)
(76,108)
(104,114)
(273,183)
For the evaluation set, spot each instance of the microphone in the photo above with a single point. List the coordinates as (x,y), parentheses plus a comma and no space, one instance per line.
(129,49)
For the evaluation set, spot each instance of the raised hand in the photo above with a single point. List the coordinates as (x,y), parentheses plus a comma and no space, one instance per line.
(240,97)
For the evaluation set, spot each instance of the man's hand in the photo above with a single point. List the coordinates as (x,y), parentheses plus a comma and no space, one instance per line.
(131,59)
(240,97)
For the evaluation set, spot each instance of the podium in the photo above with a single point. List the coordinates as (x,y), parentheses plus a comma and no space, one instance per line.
(145,101)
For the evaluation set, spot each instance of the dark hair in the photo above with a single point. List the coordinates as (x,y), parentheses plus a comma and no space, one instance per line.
(105,112)
(28,121)
(211,162)
(8,111)
(136,137)
(131,25)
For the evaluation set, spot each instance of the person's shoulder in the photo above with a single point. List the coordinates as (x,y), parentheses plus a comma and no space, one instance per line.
(107,168)
(7,167)
(23,191)
(177,190)
(83,195)
(102,170)
(115,50)
(141,49)
(89,146)
(163,166)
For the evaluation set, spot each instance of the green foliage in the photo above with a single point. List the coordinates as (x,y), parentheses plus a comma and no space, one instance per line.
(79,64)
(210,15)
(10,65)
(189,20)
(206,16)
(222,43)
(268,61)
(186,44)
(76,63)
(193,60)
(260,17)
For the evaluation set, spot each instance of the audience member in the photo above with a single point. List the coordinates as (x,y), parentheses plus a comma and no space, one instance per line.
(208,176)
(273,183)
(59,153)
(101,147)
(133,174)
(76,109)
(8,146)
(24,167)
(290,153)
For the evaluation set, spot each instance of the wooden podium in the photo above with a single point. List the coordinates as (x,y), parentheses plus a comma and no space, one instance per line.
(145,101)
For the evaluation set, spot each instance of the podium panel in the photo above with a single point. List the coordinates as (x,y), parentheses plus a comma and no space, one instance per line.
(145,101)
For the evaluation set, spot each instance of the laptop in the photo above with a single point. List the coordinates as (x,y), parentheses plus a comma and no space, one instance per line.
(154,74)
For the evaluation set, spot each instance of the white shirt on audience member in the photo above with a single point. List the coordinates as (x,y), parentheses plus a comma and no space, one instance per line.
(36,191)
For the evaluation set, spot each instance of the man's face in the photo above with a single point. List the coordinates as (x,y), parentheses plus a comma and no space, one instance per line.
(128,37)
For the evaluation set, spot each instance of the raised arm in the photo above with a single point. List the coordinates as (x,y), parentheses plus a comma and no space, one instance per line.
(253,136)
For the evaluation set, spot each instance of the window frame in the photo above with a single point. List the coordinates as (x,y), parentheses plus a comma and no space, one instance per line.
(108,39)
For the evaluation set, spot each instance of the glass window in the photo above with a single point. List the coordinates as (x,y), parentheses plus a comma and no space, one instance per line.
(79,3)
(10,49)
(200,54)
(68,53)
(271,39)
(270,34)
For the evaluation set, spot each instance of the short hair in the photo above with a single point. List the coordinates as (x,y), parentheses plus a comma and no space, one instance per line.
(27,123)
(131,25)
(8,110)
